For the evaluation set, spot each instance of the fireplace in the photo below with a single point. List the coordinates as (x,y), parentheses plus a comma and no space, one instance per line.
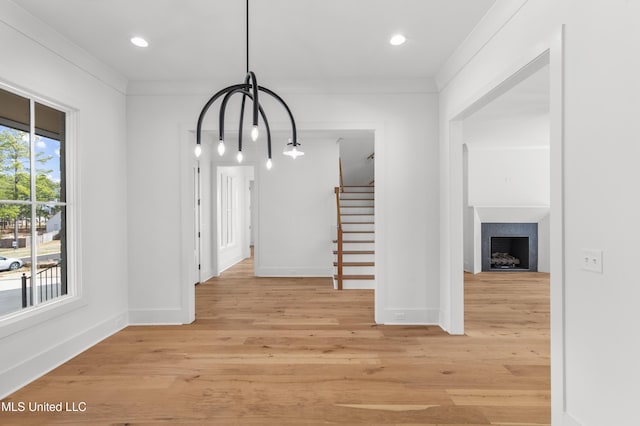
(509,253)
(510,247)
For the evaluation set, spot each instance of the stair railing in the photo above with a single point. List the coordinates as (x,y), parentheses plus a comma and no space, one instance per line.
(341,180)
(339,248)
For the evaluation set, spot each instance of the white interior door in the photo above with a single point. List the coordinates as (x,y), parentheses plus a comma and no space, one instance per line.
(196,222)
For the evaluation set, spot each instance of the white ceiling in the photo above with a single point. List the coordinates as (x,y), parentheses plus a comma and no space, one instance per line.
(291,40)
(518,118)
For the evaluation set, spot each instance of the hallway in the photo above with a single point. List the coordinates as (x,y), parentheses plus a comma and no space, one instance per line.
(294,351)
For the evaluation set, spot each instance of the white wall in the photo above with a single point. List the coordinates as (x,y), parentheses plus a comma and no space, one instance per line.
(600,153)
(357,168)
(407,217)
(297,213)
(39,61)
(503,176)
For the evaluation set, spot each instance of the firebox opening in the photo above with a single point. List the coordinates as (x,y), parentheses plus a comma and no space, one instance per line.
(509,252)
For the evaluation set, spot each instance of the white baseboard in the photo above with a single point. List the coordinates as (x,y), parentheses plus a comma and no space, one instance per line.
(411,316)
(292,271)
(231,263)
(570,421)
(156,317)
(18,376)
(358,285)
(444,321)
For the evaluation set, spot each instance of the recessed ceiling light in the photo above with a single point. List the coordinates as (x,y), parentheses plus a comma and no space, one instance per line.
(139,41)
(397,40)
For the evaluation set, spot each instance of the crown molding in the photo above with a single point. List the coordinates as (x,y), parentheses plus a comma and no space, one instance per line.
(359,86)
(495,19)
(42,34)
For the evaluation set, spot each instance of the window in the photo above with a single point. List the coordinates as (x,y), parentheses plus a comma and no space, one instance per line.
(33,204)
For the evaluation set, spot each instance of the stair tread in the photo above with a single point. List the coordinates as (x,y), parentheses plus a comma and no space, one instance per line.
(358,232)
(356,277)
(358,223)
(355,241)
(355,252)
(355,264)
(357,214)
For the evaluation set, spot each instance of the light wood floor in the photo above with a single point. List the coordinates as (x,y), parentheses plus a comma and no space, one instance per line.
(296,352)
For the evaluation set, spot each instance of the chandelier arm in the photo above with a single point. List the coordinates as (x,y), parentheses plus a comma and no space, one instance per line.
(254,89)
(223,108)
(266,126)
(246,94)
(244,99)
(284,104)
(206,107)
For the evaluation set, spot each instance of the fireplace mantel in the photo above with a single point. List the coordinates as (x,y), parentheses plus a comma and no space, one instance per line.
(511,214)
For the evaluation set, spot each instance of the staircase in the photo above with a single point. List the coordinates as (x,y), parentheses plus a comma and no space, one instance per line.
(354,248)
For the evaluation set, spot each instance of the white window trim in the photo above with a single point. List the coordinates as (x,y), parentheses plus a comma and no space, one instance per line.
(76,297)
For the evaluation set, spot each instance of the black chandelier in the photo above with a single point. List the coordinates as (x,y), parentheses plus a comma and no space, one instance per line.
(249,89)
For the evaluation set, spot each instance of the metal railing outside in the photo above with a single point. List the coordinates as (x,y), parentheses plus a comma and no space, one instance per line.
(48,285)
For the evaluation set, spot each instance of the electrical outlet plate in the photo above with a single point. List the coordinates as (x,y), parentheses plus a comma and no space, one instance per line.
(591,260)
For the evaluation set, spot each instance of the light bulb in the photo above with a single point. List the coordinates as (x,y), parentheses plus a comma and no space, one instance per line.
(139,41)
(239,157)
(293,152)
(397,40)
(269,164)
(198,150)
(255,133)
(221,147)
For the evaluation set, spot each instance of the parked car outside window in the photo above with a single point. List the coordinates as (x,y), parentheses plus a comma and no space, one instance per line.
(10,263)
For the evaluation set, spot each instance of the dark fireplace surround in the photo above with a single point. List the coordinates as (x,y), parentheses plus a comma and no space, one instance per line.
(511,246)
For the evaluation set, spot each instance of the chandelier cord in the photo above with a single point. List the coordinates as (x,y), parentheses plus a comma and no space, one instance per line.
(247,36)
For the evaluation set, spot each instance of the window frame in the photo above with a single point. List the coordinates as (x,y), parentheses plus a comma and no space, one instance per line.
(75,298)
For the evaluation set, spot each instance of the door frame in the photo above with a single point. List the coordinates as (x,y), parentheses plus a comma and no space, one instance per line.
(197,196)
(552,53)
(187,159)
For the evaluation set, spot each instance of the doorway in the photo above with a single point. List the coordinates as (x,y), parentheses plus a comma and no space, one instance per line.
(506,205)
(507,179)
(551,55)
(234,188)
